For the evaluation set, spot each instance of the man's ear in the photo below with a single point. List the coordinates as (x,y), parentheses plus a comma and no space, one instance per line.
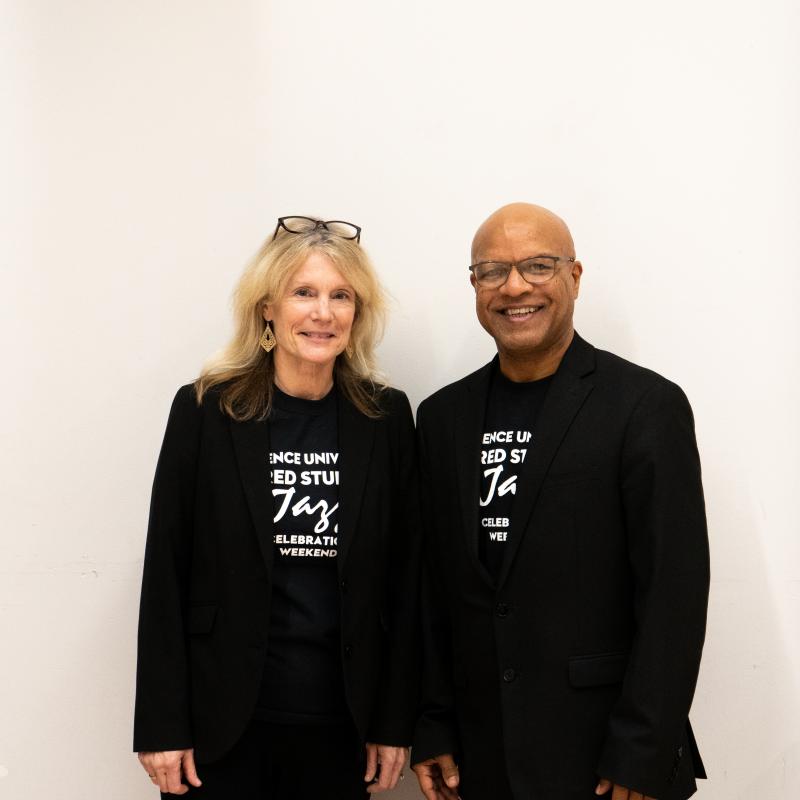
(576,272)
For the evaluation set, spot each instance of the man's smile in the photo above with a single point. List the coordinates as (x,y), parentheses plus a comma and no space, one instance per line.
(520,313)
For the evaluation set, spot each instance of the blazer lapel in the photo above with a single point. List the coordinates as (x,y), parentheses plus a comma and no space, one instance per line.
(251,445)
(469,426)
(356,437)
(566,395)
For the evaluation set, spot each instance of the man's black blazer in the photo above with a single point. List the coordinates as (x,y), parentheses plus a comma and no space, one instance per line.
(583,659)
(205,602)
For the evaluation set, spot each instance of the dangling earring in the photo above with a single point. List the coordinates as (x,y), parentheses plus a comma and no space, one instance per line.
(267,340)
(349,350)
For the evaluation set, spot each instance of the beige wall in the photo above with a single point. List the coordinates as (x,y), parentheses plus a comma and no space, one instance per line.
(147,149)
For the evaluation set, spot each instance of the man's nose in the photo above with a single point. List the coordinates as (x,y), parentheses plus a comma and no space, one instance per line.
(515,284)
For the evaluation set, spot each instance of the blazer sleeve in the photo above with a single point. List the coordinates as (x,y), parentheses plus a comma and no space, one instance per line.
(668,550)
(394,715)
(436,732)
(162,718)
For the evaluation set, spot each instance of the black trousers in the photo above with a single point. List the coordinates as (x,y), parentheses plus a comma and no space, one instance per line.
(287,762)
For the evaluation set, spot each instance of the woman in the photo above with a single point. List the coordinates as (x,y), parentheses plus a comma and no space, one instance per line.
(276,634)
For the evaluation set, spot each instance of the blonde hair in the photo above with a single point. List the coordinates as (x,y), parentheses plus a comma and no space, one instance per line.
(245,373)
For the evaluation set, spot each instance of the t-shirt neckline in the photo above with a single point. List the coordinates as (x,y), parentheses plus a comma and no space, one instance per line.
(300,405)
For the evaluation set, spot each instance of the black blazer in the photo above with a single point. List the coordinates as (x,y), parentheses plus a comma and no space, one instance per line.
(205,602)
(583,660)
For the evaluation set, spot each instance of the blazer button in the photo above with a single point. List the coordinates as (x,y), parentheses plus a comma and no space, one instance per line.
(502,610)
(348,650)
(509,675)
(343,586)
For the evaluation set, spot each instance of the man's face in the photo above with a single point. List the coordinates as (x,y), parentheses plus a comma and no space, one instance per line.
(523,318)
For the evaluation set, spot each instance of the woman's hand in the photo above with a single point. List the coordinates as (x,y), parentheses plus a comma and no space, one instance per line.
(165,768)
(384,766)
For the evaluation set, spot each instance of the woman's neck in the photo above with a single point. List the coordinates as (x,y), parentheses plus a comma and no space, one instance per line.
(305,380)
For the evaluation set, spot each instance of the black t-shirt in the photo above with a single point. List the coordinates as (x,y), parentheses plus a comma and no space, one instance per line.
(303,681)
(511,410)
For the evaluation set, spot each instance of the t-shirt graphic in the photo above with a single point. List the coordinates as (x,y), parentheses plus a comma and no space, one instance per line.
(305,491)
(303,681)
(507,437)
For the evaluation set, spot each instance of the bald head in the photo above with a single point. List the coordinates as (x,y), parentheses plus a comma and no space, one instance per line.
(506,233)
(530,320)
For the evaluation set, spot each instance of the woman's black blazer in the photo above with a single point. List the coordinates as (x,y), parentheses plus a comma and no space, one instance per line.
(205,602)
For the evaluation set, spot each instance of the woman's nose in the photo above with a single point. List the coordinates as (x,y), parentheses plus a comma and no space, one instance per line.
(322,309)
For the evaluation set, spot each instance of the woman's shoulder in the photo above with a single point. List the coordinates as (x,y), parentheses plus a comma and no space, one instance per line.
(189,400)
(185,399)
(392,402)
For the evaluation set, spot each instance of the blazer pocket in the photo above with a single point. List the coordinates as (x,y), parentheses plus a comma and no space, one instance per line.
(597,670)
(201,619)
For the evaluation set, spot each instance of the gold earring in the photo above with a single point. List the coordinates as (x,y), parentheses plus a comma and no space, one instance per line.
(268,340)
(349,350)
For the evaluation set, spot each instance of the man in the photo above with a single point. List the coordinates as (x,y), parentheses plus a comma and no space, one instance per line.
(567,580)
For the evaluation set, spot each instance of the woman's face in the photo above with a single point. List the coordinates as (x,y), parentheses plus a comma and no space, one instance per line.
(313,319)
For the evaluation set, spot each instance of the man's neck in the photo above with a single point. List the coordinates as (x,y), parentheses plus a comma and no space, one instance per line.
(522,367)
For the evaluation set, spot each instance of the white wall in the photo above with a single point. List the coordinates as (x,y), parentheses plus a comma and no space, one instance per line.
(147,149)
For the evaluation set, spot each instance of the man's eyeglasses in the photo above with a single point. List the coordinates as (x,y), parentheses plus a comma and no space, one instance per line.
(306,224)
(537,269)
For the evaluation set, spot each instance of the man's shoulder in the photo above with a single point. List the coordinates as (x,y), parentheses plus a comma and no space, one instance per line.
(612,372)
(618,374)
(443,400)
(619,368)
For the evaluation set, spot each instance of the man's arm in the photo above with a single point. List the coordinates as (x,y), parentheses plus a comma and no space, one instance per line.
(436,728)
(435,740)
(668,550)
